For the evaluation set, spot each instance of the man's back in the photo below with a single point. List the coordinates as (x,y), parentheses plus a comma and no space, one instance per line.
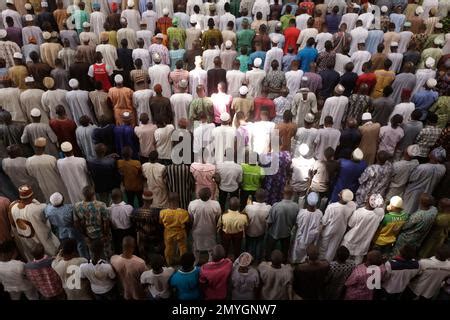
(129,271)
(282,218)
(309,279)
(214,276)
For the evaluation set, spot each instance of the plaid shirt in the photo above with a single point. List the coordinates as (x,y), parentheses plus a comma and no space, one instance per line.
(427,138)
(43,277)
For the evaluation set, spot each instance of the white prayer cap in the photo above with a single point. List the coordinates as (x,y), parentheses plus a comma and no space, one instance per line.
(384,9)
(243,90)
(183,83)
(66,146)
(279,24)
(438,41)
(17,55)
(346,195)
(156,58)
(228,44)
(54,34)
(29,79)
(159,36)
(193,20)
(10,1)
(366,116)
(275,39)
(431,83)
(86,24)
(438,25)
(376,200)
(165,11)
(118,78)
(28,6)
(395,202)
(130,3)
(356,6)
(56,199)
(309,118)
(224,117)
(44,4)
(245,259)
(339,89)
(413,150)
(303,149)
(312,199)
(73,83)
(357,154)
(3,33)
(394,44)
(257,62)
(429,62)
(126,115)
(28,17)
(40,142)
(419,10)
(305,78)
(304,90)
(35,112)
(407,24)
(46,35)
(198,59)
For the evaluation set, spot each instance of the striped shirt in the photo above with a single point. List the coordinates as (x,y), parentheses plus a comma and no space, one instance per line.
(181,181)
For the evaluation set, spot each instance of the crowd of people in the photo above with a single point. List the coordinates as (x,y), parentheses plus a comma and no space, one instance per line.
(253,149)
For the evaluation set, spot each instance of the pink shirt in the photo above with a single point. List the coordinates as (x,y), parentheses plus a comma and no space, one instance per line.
(204,177)
(221,103)
(214,279)
(129,272)
(356,284)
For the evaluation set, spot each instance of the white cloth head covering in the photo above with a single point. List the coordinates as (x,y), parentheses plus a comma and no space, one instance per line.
(156,57)
(394,44)
(46,35)
(309,118)
(376,200)
(56,199)
(66,146)
(130,3)
(243,90)
(275,39)
(86,24)
(429,62)
(419,10)
(17,55)
(35,112)
(339,89)
(257,62)
(413,150)
(312,199)
(438,25)
(3,33)
(431,83)
(245,259)
(28,17)
(44,4)
(165,11)
(28,6)
(183,83)
(73,83)
(303,149)
(384,9)
(224,117)
(346,195)
(357,154)
(366,116)
(29,79)
(118,78)
(228,44)
(396,202)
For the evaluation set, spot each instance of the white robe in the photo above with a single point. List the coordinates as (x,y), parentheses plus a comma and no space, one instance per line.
(358,34)
(161,4)
(205,215)
(141,102)
(305,35)
(109,53)
(308,226)
(301,21)
(30,99)
(97,20)
(129,34)
(363,223)
(85,142)
(150,17)
(180,106)
(51,99)
(254,79)
(159,73)
(196,77)
(235,79)
(10,101)
(334,223)
(396,59)
(145,35)
(404,109)
(208,58)
(293,81)
(133,18)
(261,133)
(223,138)
(37,229)
(32,31)
(75,175)
(44,169)
(78,101)
(341,61)
(274,53)
(405,38)
(422,75)
(359,58)
(335,107)
(326,137)
(144,55)
(321,38)
(350,20)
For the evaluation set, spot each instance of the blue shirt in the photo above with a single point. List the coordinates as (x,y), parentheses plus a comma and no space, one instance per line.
(306,56)
(374,38)
(124,136)
(423,100)
(349,173)
(175,55)
(332,21)
(186,284)
(258,54)
(287,60)
(61,219)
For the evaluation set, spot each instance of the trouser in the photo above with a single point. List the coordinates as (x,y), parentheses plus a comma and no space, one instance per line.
(31,294)
(131,195)
(107,249)
(172,241)
(233,240)
(118,235)
(244,197)
(223,197)
(149,246)
(254,246)
(271,244)
(111,295)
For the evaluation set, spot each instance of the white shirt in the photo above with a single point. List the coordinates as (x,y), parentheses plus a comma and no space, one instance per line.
(432,273)
(396,281)
(223,21)
(120,215)
(293,81)
(341,61)
(75,176)
(335,107)
(321,38)
(158,283)
(144,55)
(141,102)
(202,136)
(180,106)
(396,59)
(196,77)
(261,132)
(254,79)
(97,20)
(235,79)
(12,276)
(159,73)
(274,53)
(349,19)
(257,216)
(301,21)
(223,137)
(230,175)
(150,17)
(404,109)
(359,58)
(133,18)
(208,58)
(358,34)
(305,35)
(163,139)
(100,276)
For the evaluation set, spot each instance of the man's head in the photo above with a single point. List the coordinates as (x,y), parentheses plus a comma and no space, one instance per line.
(217,62)
(69,248)
(374,258)
(187,261)
(312,251)
(38,251)
(204,194)
(157,262)
(100,150)
(234,203)
(218,253)
(443,253)
(260,195)
(387,91)
(342,254)
(328,121)
(408,252)
(277,258)
(116,195)
(88,193)
(128,245)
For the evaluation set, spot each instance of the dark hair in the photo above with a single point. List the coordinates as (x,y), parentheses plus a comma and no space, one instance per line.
(204,194)
(416,114)
(187,260)
(432,118)
(342,254)
(69,246)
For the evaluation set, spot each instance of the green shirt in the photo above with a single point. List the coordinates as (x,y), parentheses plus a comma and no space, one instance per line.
(285,20)
(390,227)
(245,38)
(442,109)
(244,60)
(178,34)
(252,176)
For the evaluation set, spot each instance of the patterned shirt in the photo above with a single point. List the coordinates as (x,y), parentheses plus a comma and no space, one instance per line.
(147,224)
(357,105)
(427,138)
(325,58)
(339,272)
(91,216)
(44,277)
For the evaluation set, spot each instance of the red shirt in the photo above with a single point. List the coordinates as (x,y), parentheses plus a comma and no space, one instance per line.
(260,102)
(368,78)
(65,131)
(214,279)
(163,24)
(290,38)
(44,277)
(101,75)
(308,5)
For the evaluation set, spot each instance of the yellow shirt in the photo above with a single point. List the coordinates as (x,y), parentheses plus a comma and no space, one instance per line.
(233,222)
(173,219)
